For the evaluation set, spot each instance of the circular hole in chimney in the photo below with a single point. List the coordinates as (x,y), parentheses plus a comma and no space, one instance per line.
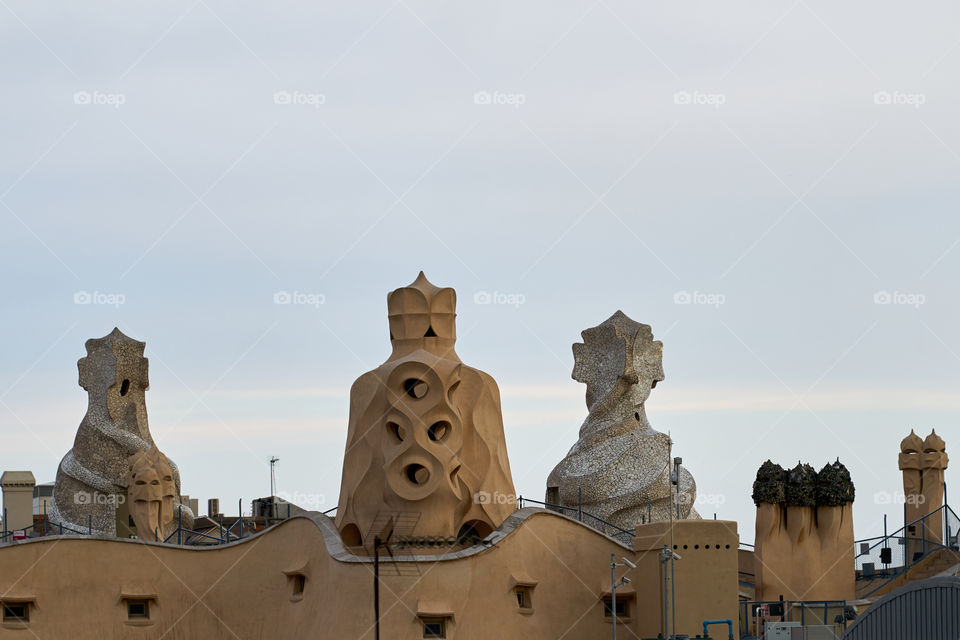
(417,474)
(415,388)
(438,430)
(124,387)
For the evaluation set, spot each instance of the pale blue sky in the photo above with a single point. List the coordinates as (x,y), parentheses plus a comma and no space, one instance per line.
(627,153)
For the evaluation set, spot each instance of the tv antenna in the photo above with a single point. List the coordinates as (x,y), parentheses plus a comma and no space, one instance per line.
(273,477)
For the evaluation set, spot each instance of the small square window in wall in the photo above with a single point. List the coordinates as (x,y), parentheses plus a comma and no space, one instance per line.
(138,609)
(434,627)
(524,596)
(623,607)
(16,611)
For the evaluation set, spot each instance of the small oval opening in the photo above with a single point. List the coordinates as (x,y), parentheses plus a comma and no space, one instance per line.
(396,431)
(124,387)
(438,430)
(351,536)
(415,388)
(417,474)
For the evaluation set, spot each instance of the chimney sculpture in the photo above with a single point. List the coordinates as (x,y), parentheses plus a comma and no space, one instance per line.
(922,463)
(619,469)
(425,449)
(98,479)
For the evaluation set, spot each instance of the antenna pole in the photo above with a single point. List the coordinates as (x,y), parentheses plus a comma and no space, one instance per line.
(273,477)
(376,586)
(273,485)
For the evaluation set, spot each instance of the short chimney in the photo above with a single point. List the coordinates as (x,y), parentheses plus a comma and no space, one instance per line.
(18,499)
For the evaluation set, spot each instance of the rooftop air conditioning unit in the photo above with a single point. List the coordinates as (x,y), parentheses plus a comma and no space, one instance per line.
(778,630)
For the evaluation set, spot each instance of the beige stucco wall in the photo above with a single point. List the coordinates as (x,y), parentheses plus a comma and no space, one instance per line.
(705,578)
(77,585)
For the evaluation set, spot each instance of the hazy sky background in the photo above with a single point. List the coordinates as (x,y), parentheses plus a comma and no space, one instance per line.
(786,161)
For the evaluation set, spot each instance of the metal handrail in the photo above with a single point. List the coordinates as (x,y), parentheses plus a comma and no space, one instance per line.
(59,528)
(903,535)
(5,533)
(747,610)
(945,508)
(580,514)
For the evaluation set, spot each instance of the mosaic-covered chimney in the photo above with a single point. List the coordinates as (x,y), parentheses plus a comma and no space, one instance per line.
(114,473)
(804,532)
(619,469)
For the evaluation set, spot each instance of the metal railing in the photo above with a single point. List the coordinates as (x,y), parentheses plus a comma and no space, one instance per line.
(181,535)
(814,612)
(906,547)
(42,528)
(592,521)
(224,534)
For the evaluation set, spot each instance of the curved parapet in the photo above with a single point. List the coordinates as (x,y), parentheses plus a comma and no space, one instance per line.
(297,580)
(539,575)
